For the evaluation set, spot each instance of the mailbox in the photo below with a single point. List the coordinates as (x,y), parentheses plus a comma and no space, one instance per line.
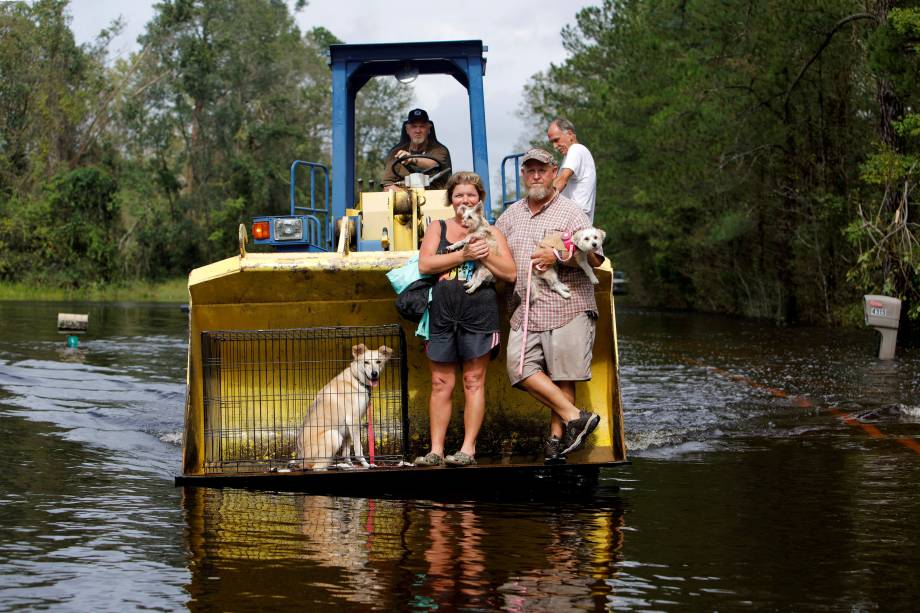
(883,313)
(72,324)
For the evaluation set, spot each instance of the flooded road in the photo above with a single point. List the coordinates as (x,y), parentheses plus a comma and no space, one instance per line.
(772,468)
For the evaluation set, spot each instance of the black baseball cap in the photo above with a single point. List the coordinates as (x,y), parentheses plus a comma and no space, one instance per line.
(418,115)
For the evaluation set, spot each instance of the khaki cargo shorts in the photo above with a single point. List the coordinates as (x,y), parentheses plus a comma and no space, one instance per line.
(564,354)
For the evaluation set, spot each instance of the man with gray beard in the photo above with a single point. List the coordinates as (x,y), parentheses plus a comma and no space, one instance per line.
(560,332)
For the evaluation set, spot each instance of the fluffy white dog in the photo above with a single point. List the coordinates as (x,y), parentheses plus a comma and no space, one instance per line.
(584,242)
(473,219)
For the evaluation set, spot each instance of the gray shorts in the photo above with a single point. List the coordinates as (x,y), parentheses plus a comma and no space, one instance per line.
(564,354)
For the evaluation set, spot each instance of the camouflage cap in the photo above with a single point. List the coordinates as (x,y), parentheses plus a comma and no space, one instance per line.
(541,155)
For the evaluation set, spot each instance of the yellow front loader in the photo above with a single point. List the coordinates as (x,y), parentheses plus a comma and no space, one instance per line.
(268,331)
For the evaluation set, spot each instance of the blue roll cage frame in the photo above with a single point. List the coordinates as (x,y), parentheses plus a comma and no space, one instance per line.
(352,67)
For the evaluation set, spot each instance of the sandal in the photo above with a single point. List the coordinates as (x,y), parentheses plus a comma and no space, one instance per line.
(459,459)
(431,459)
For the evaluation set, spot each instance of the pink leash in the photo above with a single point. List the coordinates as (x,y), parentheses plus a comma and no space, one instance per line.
(570,250)
(526,319)
(370,430)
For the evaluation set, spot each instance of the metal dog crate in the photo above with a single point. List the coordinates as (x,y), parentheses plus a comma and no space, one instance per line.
(259,386)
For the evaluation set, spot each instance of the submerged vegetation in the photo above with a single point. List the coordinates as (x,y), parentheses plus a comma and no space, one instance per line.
(168,290)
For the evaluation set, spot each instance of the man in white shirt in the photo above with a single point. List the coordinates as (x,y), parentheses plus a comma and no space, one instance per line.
(577,179)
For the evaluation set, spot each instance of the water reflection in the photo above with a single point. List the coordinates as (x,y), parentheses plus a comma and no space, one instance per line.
(456,562)
(283,550)
(71,354)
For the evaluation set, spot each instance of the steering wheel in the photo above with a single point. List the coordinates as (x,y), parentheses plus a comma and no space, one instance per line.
(404,162)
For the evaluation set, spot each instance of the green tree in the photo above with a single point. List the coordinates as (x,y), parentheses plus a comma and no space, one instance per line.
(58,215)
(227,94)
(67,237)
(885,230)
(49,89)
(177,144)
(727,137)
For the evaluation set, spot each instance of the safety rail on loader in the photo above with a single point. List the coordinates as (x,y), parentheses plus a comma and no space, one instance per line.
(307,228)
(516,157)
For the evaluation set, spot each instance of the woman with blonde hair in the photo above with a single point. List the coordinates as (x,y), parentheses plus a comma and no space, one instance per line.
(463,328)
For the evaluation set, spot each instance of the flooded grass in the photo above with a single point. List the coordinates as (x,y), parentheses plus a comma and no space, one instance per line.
(171,290)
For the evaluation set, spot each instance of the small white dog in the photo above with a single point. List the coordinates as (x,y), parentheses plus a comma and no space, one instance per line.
(583,242)
(332,421)
(474,220)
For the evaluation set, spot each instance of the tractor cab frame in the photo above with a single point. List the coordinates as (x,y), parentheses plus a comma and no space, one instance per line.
(316,227)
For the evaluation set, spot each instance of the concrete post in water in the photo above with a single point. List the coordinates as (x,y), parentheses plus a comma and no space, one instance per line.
(884,314)
(72,324)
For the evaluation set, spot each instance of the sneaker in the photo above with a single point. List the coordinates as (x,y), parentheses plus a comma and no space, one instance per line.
(551,451)
(577,431)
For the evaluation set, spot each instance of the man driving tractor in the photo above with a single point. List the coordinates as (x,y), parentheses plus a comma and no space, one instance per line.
(418,150)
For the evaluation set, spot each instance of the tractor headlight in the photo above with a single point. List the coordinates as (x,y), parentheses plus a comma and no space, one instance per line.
(289,229)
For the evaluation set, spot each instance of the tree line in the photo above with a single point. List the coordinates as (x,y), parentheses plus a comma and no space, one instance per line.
(142,168)
(754,157)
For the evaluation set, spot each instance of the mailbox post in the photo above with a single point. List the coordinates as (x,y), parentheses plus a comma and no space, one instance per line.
(884,314)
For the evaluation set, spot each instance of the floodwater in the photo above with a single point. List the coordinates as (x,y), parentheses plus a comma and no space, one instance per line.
(773,468)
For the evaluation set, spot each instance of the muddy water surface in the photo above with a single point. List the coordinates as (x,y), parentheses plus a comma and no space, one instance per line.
(772,468)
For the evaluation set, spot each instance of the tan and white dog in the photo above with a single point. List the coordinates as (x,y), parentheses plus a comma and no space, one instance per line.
(332,423)
(584,242)
(474,220)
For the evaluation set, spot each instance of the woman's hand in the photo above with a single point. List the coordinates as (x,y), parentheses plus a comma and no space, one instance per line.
(476,249)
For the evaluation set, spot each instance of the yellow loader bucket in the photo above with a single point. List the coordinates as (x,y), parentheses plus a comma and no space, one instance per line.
(261,312)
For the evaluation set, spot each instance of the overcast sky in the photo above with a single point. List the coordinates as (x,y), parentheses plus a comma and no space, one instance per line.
(522,37)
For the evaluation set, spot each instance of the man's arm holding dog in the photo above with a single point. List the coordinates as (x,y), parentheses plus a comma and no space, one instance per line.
(547,257)
(576,221)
